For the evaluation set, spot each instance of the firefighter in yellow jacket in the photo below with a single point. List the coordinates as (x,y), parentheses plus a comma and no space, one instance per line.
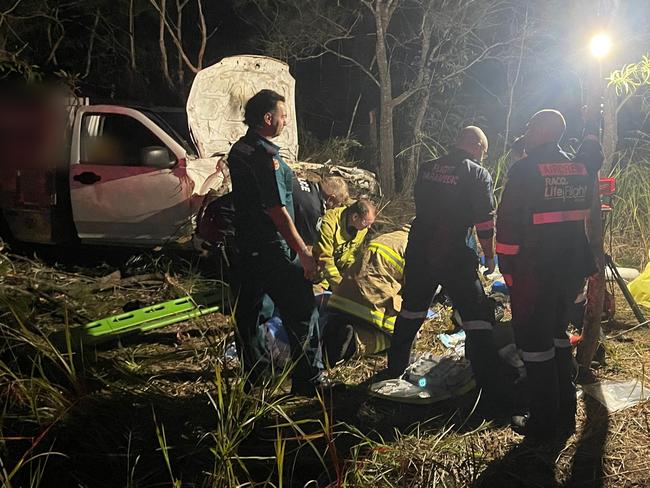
(342,233)
(363,307)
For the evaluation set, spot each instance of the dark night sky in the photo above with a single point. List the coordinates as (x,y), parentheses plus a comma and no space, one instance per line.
(554,72)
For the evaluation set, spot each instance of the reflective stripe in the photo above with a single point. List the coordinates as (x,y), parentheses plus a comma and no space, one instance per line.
(487,225)
(508,279)
(538,357)
(332,271)
(562,342)
(562,216)
(477,325)
(364,313)
(562,169)
(407,314)
(389,254)
(381,343)
(507,249)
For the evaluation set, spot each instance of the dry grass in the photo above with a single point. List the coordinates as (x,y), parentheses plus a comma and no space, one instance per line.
(170,371)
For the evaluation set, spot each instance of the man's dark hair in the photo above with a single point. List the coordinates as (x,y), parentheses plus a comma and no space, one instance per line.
(260,104)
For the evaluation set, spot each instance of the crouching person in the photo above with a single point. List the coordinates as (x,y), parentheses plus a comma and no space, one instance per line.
(342,234)
(363,307)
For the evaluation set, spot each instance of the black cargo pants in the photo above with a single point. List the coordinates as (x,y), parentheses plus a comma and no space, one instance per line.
(271,271)
(458,275)
(542,295)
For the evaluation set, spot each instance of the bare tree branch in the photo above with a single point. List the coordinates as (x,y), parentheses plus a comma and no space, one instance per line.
(203,31)
(91,43)
(132,35)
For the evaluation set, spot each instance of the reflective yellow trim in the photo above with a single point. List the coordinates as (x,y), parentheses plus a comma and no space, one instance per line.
(364,313)
(389,254)
(332,271)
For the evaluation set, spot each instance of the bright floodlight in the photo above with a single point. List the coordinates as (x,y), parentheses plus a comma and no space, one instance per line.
(600,45)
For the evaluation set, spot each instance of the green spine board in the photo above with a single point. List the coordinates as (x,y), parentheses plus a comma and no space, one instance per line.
(117,323)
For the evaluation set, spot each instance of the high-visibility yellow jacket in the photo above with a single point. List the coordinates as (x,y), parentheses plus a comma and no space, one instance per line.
(370,290)
(336,249)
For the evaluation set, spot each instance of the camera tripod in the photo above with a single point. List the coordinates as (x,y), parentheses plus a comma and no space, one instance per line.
(609,264)
(607,189)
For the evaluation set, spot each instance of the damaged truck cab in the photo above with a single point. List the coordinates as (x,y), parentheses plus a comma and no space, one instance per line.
(129,175)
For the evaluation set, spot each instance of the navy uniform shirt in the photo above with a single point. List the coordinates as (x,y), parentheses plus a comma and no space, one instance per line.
(309,208)
(260,180)
(452,194)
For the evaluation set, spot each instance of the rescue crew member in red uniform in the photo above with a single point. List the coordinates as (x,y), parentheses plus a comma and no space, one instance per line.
(545,257)
(265,233)
(452,195)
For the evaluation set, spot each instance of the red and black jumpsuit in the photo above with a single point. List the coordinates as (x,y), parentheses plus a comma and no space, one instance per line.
(452,195)
(545,257)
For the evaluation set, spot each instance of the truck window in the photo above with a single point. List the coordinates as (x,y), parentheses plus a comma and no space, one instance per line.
(114,139)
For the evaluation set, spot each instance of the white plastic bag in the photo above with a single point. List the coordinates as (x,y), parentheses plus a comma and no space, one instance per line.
(618,395)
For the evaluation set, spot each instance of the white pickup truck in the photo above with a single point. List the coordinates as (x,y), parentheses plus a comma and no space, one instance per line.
(129,175)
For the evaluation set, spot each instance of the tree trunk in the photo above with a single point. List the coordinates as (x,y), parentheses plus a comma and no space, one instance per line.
(595,293)
(413,161)
(386,138)
(180,67)
(132,36)
(610,129)
(164,63)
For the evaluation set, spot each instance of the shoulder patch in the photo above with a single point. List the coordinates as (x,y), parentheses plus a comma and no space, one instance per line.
(276,164)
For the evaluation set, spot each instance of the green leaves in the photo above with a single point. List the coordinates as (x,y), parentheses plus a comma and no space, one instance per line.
(631,76)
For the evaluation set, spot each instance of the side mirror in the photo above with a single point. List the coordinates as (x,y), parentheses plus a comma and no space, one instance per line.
(157,157)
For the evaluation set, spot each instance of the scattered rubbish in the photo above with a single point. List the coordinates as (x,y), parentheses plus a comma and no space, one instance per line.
(429,379)
(231,355)
(455,341)
(499,286)
(451,340)
(628,274)
(277,343)
(618,395)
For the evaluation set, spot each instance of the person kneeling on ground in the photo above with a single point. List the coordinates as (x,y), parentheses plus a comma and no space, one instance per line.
(341,236)
(363,307)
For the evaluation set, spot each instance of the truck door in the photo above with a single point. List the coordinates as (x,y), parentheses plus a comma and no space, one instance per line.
(128,181)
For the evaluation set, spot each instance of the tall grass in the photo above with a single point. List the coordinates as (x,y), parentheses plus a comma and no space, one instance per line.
(39,384)
(630,221)
(499,170)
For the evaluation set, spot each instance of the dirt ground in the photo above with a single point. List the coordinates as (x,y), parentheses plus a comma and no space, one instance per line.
(142,411)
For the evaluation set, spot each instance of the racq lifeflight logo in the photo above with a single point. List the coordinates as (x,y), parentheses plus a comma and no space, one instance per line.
(558,184)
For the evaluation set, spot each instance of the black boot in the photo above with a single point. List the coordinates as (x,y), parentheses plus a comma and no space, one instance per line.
(541,421)
(566,391)
(399,353)
(481,352)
